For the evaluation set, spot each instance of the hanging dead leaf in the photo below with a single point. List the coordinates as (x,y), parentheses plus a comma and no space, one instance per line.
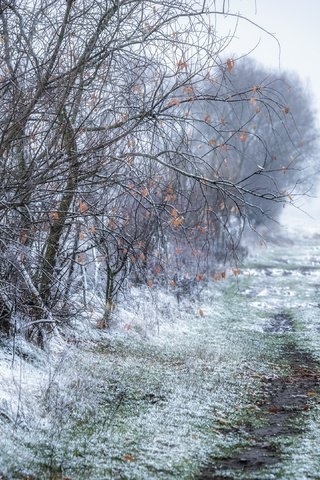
(83,207)
(256,88)
(142,257)
(177,222)
(201,229)
(112,224)
(219,276)
(207,118)
(182,64)
(170,197)
(187,90)
(201,312)
(200,277)
(81,258)
(173,102)
(157,269)
(212,141)
(101,324)
(173,283)
(286,110)
(243,137)
(230,64)
(23,238)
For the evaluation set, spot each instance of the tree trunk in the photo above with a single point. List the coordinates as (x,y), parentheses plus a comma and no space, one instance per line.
(57,227)
(104,322)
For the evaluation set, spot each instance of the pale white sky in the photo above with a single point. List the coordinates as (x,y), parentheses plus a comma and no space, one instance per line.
(296,24)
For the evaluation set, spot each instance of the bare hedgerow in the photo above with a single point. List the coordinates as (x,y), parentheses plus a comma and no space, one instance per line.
(120,122)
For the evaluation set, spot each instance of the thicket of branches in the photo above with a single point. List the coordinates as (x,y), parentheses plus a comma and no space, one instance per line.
(130,149)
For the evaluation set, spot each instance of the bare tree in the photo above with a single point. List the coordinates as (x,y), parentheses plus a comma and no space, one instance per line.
(267,135)
(100,104)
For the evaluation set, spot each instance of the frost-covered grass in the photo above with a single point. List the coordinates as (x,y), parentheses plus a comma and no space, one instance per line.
(142,401)
(168,387)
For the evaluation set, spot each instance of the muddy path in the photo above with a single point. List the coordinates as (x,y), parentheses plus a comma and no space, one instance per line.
(282,403)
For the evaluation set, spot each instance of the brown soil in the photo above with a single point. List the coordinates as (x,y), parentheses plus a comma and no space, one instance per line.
(282,400)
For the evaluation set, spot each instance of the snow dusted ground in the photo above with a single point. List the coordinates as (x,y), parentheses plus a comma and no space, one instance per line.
(138,402)
(157,395)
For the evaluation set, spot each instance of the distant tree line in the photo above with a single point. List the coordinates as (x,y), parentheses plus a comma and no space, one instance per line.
(131,150)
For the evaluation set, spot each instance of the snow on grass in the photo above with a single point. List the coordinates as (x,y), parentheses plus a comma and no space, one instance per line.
(138,402)
(159,394)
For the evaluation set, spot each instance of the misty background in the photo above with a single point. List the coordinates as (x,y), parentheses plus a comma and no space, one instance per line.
(295,47)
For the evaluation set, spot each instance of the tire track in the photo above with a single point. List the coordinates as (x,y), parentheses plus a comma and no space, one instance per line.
(283,401)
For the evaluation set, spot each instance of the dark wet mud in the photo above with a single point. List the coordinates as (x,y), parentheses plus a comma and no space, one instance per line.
(283,401)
